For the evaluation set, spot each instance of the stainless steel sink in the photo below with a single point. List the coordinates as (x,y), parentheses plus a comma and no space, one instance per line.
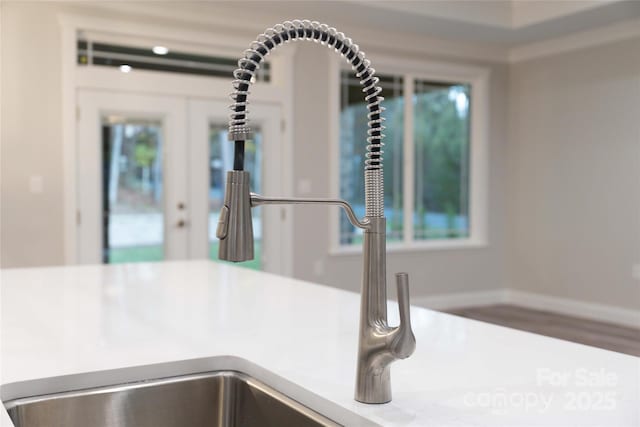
(222,398)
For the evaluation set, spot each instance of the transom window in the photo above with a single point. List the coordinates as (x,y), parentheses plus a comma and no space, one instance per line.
(127,58)
(437,138)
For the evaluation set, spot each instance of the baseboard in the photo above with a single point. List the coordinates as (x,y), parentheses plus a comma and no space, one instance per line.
(587,310)
(461,299)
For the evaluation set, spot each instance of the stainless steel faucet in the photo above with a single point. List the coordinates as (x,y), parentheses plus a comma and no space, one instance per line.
(379,343)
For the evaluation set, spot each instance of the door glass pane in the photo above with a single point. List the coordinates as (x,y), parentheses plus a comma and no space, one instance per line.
(132,196)
(353,148)
(441,131)
(220,161)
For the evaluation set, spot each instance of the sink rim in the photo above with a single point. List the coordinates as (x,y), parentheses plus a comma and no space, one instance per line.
(248,379)
(138,375)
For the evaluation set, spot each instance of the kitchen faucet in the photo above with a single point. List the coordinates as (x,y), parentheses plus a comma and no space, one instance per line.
(379,343)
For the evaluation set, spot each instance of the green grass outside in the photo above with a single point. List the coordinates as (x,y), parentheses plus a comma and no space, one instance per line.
(136,254)
(156,253)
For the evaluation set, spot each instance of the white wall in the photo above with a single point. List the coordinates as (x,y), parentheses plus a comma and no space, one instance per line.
(574,175)
(31,138)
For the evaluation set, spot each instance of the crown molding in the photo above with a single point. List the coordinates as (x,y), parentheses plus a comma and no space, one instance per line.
(604,35)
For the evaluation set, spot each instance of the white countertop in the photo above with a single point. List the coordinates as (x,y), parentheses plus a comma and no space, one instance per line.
(67,320)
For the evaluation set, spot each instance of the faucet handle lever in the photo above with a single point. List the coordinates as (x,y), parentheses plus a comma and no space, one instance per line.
(404,342)
(402,282)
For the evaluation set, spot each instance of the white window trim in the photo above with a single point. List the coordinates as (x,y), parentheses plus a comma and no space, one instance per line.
(478,78)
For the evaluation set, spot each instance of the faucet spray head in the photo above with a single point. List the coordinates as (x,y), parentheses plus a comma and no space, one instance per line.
(235,228)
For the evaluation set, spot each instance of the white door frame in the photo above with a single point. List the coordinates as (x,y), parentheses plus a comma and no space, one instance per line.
(171,112)
(279,91)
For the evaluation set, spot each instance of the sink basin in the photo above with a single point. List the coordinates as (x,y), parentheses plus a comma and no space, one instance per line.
(217,398)
(224,399)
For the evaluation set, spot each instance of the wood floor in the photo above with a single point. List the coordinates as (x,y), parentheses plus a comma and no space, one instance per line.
(597,334)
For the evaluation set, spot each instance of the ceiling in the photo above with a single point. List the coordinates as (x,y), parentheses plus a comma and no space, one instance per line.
(510,14)
(497,25)
(508,23)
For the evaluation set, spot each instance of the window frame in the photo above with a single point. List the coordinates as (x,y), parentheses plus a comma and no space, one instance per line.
(477,78)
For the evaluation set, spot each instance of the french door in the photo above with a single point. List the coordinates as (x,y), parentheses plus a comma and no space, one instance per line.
(151,173)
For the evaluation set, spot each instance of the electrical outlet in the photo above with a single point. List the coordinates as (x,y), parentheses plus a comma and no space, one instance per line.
(635,271)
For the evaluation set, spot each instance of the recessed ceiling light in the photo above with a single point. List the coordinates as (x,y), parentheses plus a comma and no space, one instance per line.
(125,68)
(160,50)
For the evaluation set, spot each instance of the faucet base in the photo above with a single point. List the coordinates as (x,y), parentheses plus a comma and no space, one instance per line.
(374,388)
(379,344)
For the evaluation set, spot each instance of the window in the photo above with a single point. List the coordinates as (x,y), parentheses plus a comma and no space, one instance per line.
(132,196)
(353,125)
(93,53)
(441,144)
(429,187)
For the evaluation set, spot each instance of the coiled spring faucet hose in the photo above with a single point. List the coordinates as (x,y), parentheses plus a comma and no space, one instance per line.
(239,130)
